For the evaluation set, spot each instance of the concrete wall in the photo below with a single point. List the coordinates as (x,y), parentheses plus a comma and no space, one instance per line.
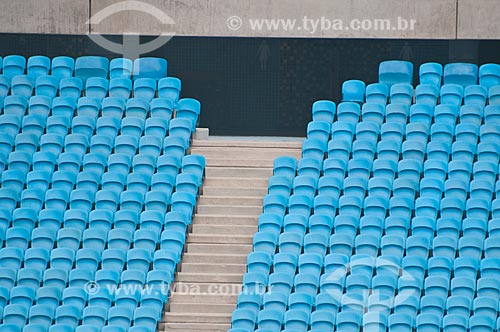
(45,16)
(433,19)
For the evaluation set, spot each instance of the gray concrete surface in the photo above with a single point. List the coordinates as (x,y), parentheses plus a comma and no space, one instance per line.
(434,19)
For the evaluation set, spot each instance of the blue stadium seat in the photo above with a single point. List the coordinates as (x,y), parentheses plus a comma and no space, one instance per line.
(296,320)
(353,90)
(150,68)
(349,321)
(376,93)
(489,75)
(472,114)
(259,262)
(291,242)
(334,167)
(156,126)
(48,296)
(96,88)
(137,107)
(427,94)
(21,85)
(422,113)
(162,107)
(339,150)
(342,244)
(293,222)
(120,67)
(24,217)
(274,301)
(113,107)
(463,74)
(323,110)
(285,262)
(493,95)
(451,94)
(326,301)
(431,73)
(367,130)
(14,316)
(169,88)
(120,317)
(55,278)
(401,93)
(343,131)
(91,66)
(392,72)
(255,283)
(4,85)
(348,112)
(74,296)
(165,260)
(62,66)
(38,65)
(314,148)
(41,315)
(33,124)
(13,65)
(145,88)
(363,149)
(40,105)
(268,320)
(15,105)
(319,130)
(271,223)
(475,95)
(189,109)
(70,87)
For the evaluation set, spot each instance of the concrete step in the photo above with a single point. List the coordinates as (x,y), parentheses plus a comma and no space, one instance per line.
(177,317)
(217,249)
(214,259)
(229,210)
(234,192)
(261,172)
(203,298)
(194,327)
(232,162)
(231,278)
(228,200)
(220,239)
(225,229)
(239,182)
(203,219)
(243,153)
(291,143)
(213,268)
(196,308)
(207,288)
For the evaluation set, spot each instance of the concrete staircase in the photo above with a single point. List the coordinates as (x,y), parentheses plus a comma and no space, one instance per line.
(209,278)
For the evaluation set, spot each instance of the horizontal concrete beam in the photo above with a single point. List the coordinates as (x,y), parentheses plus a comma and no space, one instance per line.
(45,16)
(434,19)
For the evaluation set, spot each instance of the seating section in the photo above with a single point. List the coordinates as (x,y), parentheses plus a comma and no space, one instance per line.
(389,221)
(97,192)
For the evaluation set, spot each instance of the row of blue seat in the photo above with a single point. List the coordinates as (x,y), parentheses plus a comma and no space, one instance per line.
(350,112)
(83,67)
(95,87)
(430,94)
(349,321)
(371,131)
(464,74)
(15,108)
